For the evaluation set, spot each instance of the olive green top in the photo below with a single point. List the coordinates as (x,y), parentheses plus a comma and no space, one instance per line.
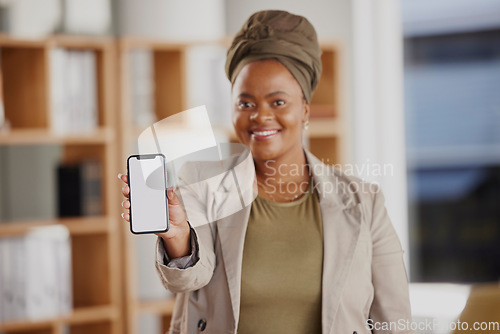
(282,267)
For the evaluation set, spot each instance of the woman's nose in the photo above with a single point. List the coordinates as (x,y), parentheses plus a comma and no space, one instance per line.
(262,115)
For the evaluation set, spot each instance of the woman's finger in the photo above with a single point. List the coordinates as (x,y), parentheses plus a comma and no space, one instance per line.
(125,190)
(123,177)
(126,204)
(126,216)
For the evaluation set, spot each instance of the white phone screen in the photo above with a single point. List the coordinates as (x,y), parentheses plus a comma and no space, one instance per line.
(148,200)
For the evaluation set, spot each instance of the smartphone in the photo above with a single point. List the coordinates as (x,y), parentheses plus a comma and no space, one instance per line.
(147,179)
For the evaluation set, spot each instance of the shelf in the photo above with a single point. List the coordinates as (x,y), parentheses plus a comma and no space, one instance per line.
(80,42)
(67,41)
(154,44)
(324,127)
(91,314)
(163,307)
(43,136)
(76,226)
(78,316)
(131,42)
(9,41)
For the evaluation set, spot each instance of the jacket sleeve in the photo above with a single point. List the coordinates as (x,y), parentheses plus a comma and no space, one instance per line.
(194,271)
(391,304)
(181,262)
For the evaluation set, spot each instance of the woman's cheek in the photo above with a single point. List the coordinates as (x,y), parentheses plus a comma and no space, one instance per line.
(240,123)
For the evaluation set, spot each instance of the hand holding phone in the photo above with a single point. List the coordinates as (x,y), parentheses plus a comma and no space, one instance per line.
(177,239)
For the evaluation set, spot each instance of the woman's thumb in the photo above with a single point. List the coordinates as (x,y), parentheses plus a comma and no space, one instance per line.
(172,197)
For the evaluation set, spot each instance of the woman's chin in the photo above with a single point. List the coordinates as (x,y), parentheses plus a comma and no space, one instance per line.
(259,153)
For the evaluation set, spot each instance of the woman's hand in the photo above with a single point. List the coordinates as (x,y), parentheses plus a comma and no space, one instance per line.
(177,240)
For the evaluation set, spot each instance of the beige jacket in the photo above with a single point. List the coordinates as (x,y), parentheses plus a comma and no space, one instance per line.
(363,272)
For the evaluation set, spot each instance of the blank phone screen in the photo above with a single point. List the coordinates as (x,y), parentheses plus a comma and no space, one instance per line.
(148,200)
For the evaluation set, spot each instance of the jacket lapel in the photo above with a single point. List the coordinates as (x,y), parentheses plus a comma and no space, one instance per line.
(341,217)
(232,232)
(233,202)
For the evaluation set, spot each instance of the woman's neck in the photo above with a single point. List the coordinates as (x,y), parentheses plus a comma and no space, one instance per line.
(283,178)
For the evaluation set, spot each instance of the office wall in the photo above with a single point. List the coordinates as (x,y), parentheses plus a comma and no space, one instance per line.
(172,19)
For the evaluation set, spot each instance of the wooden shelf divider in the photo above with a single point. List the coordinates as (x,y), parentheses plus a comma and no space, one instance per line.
(78,316)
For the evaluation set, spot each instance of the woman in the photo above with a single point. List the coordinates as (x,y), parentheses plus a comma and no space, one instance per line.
(315,252)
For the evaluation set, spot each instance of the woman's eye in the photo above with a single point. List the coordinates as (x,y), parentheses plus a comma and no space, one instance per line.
(245,105)
(279,102)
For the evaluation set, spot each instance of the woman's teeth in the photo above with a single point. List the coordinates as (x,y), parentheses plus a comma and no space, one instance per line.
(265,133)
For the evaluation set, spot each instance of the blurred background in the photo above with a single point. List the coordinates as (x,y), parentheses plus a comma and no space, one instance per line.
(409,86)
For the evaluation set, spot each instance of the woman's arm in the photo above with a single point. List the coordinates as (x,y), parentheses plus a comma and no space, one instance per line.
(193,270)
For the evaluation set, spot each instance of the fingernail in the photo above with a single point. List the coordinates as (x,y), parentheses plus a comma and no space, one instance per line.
(120,175)
(123,215)
(123,203)
(170,194)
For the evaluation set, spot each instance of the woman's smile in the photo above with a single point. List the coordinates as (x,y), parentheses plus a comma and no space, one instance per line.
(264,134)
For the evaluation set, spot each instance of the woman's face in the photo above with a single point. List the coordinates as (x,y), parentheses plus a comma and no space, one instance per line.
(269,110)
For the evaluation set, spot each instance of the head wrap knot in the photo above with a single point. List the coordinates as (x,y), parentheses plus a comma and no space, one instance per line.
(258,32)
(289,38)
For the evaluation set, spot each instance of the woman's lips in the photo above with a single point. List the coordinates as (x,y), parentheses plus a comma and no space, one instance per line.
(264,134)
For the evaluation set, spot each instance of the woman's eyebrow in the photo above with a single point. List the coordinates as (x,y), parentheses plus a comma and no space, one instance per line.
(248,96)
(276,93)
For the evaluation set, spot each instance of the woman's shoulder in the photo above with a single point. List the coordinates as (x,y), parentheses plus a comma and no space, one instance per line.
(341,185)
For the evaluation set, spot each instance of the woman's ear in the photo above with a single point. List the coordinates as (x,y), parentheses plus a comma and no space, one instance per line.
(307,111)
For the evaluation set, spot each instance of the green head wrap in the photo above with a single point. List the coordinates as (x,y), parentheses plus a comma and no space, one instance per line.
(291,39)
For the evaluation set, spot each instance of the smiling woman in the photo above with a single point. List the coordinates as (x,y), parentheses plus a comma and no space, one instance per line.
(315,252)
(269,114)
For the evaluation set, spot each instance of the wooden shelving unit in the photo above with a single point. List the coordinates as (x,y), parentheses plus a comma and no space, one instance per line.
(169,64)
(95,240)
(325,134)
(104,285)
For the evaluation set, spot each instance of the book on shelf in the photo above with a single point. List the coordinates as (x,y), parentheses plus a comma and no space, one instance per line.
(142,87)
(79,189)
(73,87)
(35,272)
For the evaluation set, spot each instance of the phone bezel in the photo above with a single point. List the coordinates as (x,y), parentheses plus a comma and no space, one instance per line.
(143,157)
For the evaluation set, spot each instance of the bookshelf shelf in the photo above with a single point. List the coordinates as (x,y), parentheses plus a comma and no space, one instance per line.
(81,42)
(8,41)
(90,314)
(325,127)
(76,226)
(160,307)
(26,325)
(78,316)
(44,137)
